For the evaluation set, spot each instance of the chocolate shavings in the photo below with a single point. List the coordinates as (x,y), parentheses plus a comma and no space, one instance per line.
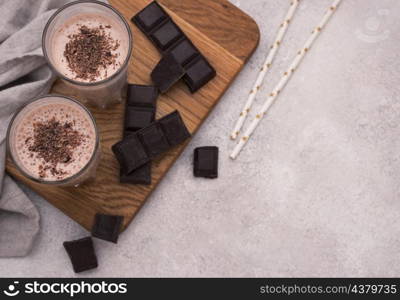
(89,51)
(54,142)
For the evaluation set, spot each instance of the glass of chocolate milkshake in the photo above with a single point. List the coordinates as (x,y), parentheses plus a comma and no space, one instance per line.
(54,140)
(88,44)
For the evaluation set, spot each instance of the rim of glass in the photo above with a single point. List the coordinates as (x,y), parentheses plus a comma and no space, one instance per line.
(76,82)
(65,180)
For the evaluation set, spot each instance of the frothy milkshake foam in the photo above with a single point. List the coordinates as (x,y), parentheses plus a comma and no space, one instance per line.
(63,35)
(65,112)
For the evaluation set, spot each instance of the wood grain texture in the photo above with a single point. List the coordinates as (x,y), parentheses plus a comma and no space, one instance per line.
(225,35)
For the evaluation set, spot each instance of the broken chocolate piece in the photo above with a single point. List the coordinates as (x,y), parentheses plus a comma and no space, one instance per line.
(107,227)
(138,148)
(166,35)
(167,72)
(169,38)
(81,253)
(140,112)
(149,17)
(184,52)
(198,73)
(142,95)
(153,140)
(130,153)
(174,128)
(138,117)
(206,162)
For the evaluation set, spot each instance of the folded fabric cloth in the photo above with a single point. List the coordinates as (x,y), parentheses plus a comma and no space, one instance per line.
(23,76)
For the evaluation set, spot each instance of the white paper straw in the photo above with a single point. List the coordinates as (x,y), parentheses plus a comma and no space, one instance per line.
(284,80)
(264,69)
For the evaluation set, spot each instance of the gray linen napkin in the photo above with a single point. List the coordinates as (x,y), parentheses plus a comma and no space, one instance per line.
(23,76)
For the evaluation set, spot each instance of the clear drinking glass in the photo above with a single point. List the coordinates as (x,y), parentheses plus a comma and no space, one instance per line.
(100,93)
(85,168)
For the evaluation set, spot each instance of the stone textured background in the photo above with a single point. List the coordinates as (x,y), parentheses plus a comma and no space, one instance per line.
(315,193)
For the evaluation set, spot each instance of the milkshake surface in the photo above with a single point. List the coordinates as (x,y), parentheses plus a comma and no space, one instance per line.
(52,139)
(72,26)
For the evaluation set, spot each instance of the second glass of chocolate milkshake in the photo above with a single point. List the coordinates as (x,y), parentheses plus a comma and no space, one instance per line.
(88,44)
(54,140)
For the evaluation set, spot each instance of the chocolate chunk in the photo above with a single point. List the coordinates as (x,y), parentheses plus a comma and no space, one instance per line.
(206,162)
(198,73)
(137,148)
(138,117)
(107,227)
(130,153)
(184,52)
(174,128)
(153,140)
(142,95)
(167,72)
(169,38)
(166,35)
(140,112)
(149,17)
(82,255)
(141,175)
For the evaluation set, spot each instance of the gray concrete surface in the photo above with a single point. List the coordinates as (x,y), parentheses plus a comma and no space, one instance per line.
(315,193)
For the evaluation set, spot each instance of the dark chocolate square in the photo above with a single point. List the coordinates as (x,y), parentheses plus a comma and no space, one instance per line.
(138,117)
(153,140)
(81,253)
(107,227)
(141,175)
(167,72)
(130,153)
(206,162)
(142,95)
(149,17)
(174,128)
(198,74)
(184,52)
(166,35)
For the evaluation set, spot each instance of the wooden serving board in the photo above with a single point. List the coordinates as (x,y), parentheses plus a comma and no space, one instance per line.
(225,35)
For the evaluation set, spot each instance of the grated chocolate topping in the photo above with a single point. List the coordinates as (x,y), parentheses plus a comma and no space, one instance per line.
(89,51)
(54,142)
